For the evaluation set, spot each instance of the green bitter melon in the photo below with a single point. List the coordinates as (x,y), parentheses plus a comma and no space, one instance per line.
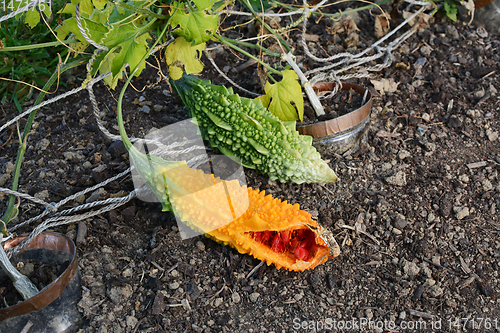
(243,129)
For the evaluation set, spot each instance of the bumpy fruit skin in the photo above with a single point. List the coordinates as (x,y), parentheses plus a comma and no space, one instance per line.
(250,218)
(246,131)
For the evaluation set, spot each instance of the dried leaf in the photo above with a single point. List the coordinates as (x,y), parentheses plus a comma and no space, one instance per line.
(382,25)
(421,21)
(345,25)
(385,85)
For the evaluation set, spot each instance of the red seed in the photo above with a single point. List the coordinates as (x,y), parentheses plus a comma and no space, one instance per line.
(285,236)
(258,236)
(306,243)
(294,243)
(266,236)
(277,244)
(300,233)
(301,254)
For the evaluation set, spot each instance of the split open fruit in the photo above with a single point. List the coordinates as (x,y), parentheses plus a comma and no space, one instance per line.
(267,228)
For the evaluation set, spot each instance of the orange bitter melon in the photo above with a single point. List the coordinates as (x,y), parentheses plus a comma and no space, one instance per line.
(248,220)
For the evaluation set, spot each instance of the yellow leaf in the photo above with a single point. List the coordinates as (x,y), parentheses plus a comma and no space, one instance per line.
(182,57)
(280,96)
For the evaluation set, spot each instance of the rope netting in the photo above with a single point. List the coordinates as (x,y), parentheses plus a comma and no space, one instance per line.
(331,70)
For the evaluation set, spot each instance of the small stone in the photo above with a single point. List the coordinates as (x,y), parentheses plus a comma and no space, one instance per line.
(411,268)
(461,212)
(369,314)
(128,272)
(425,51)
(4,178)
(27,268)
(200,245)
(426,116)
(452,31)
(435,291)
(95,196)
(451,303)
(253,297)
(82,233)
(80,199)
(174,285)
(9,168)
(487,185)
(403,154)
(218,301)
(431,217)
(43,195)
(117,148)
(42,145)
(73,157)
(132,321)
(400,222)
(193,291)
(236,297)
(158,303)
(157,107)
(396,231)
(298,297)
(87,165)
(463,178)
(145,109)
(492,136)
(454,122)
(399,179)
(402,315)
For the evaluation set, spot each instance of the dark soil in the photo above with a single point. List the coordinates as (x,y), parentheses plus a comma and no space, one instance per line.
(342,103)
(39,272)
(425,188)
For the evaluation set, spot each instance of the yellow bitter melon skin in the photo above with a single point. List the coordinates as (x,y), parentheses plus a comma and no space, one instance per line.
(229,213)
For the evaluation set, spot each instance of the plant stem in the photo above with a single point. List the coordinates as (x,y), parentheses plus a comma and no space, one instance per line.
(36,46)
(334,15)
(225,41)
(313,98)
(22,284)
(253,46)
(119,113)
(22,140)
(271,30)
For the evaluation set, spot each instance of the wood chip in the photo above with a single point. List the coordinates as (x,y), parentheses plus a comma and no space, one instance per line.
(464,266)
(385,134)
(312,38)
(477,165)
(420,314)
(466,282)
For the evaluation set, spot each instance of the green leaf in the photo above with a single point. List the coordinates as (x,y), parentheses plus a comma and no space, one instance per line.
(32,18)
(182,57)
(257,5)
(99,4)
(196,27)
(133,48)
(451,10)
(279,97)
(203,4)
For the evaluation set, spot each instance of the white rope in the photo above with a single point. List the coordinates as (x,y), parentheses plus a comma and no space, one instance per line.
(84,33)
(52,100)
(221,73)
(29,197)
(57,221)
(19,11)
